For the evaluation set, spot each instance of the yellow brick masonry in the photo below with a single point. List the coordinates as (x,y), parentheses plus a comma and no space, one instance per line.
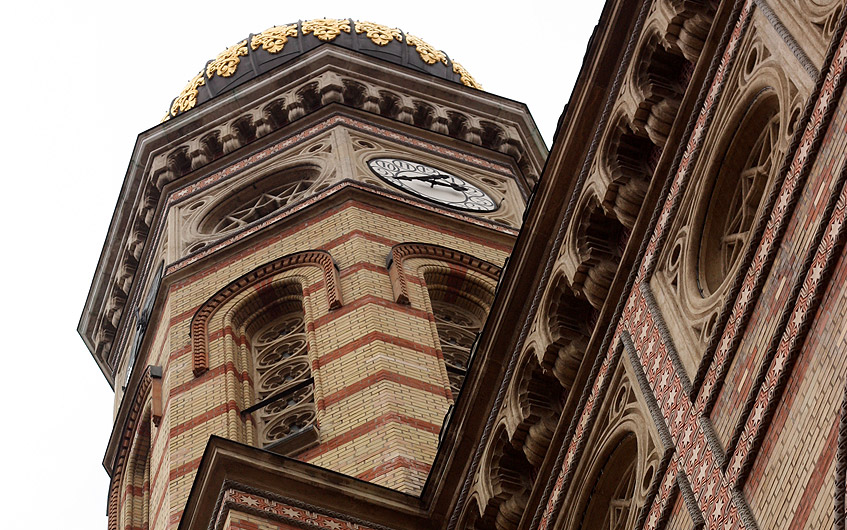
(158,442)
(799,463)
(398,441)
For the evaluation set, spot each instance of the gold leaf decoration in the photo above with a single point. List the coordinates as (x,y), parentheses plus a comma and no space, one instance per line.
(188,97)
(379,34)
(165,118)
(429,54)
(467,79)
(226,63)
(326,29)
(273,40)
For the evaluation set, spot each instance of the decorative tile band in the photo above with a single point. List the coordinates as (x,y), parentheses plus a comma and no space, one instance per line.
(284,510)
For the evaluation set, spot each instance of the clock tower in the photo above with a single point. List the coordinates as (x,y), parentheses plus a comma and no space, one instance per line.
(302,255)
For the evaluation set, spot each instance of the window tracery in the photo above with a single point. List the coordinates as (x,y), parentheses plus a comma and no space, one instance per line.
(282,378)
(458,320)
(734,204)
(259,200)
(722,203)
(457,289)
(610,488)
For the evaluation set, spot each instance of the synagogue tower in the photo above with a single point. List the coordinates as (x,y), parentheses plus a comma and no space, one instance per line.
(302,255)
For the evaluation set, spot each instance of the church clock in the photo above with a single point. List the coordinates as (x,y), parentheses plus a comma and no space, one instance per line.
(432,184)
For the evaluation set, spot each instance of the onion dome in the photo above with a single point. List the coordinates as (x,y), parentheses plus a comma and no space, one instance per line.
(261,52)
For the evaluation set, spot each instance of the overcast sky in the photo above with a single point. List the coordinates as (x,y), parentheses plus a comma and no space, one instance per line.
(80,80)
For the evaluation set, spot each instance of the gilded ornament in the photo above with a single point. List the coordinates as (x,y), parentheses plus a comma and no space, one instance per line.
(165,118)
(226,63)
(273,40)
(429,54)
(467,79)
(379,34)
(326,29)
(188,97)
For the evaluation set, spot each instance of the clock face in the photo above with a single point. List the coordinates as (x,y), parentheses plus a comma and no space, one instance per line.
(432,184)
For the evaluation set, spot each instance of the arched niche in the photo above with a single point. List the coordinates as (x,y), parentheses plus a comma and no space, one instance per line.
(456,288)
(566,322)
(612,482)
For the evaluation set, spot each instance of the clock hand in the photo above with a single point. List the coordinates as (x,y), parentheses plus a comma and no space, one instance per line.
(452,185)
(434,180)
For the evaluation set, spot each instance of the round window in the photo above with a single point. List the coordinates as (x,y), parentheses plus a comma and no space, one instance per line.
(259,199)
(736,197)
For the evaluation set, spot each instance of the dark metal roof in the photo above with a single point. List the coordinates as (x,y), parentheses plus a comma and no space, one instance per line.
(262,52)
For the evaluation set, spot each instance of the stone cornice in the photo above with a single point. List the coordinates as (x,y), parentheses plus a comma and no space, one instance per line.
(280,483)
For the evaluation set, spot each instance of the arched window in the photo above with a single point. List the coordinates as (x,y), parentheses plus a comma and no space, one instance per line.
(460,306)
(611,506)
(460,289)
(258,323)
(135,486)
(284,398)
(612,483)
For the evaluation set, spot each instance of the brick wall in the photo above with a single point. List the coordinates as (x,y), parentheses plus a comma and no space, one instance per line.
(381,386)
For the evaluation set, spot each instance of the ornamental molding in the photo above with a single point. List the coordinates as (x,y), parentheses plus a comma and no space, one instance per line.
(227,62)
(549,501)
(404,251)
(273,40)
(466,78)
(283,509)
(199,323)
(187,99)
(379,34)
(428,53)
(326,29)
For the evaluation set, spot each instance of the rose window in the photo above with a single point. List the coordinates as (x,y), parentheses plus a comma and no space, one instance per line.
(258,200)
(285,401)
(734,205)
